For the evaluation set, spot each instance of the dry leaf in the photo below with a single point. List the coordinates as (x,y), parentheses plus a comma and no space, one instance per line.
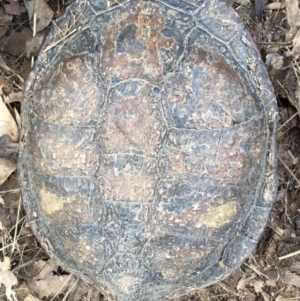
(293,17)
(14,97)
(7,218)
(80,288)
(296,46)
(242,283)
(5,19)
(12,7)
(29,4)
(31,298)
(33,46)
(257,285)
(11,192)
(44,15)
(275,5)
(7,167)
(8,125)
(291,279)
(94,295)
(274,61)
(24,294)
(8,279)
(15,45)
(44,282)
(5,86)
(5,67)
(8,148)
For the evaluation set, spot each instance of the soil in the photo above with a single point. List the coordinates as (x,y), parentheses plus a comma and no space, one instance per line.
(273,270)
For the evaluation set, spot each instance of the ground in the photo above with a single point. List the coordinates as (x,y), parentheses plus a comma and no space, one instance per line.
(273,270)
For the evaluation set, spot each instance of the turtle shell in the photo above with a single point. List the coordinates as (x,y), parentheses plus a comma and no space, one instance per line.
(148,145)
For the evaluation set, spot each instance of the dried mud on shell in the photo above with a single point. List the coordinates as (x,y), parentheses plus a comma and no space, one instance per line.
(273,270)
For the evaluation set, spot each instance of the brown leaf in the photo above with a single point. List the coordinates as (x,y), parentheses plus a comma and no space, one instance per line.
(24,294)
(33,46)
(291,279)
(44,283)
(29,297)
(29,4)
(44,15)
(15,45)
(8,148)
(274,61)
(94,295)
(5,19)
(7,167)
(293,18)
(12,7)
(257,285)
(6,86)
(80,289)
(6,219)
(8,125)
(51,286)
(276,5)
(14,97)
(242,283)
(296,46)
(11,192)
(8,279)
(3,30)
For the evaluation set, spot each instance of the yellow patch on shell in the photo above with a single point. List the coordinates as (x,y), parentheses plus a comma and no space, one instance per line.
(50,202)
(218,216)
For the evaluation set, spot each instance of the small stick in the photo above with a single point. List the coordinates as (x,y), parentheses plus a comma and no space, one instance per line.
(34,33)
(56,43)
(292,117)
(289,255)
(16,227)
(292,174)
(256,271)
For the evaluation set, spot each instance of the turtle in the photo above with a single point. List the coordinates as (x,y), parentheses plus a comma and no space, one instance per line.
(148,147)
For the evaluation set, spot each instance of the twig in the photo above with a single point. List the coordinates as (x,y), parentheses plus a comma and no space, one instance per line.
(59,41)
(287,168)
(289,255)
(256,271)
(292,117)
(227,289)
(34,33)
(16,227)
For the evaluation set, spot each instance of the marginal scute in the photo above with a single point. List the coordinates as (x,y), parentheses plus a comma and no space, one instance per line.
(148,144)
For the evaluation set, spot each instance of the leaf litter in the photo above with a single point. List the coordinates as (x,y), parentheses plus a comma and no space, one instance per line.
(273,270)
